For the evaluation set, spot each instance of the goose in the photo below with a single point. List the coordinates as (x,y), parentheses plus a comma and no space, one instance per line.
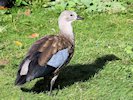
(50,54)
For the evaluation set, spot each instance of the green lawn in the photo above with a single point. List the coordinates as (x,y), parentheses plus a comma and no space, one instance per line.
(101,69)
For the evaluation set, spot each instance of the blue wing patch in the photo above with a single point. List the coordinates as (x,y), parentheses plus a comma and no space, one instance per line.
(59,58)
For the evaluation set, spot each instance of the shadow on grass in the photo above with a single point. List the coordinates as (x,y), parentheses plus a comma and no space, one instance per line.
(73,73)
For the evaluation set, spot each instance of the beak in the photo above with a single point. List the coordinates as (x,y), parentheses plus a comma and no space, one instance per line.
(79,18)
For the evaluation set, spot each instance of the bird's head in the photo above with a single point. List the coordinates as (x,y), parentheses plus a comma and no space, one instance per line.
(69,16)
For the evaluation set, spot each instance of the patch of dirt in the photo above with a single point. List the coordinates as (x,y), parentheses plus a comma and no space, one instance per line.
(3,62)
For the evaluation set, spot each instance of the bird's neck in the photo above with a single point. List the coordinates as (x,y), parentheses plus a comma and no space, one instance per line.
(66,30)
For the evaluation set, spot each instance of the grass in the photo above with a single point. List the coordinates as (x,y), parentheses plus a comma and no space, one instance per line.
(94,73)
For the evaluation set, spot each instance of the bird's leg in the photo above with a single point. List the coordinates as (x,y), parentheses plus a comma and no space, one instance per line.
(52,83)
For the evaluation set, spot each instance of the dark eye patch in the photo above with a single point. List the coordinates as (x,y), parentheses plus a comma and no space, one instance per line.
(71,14)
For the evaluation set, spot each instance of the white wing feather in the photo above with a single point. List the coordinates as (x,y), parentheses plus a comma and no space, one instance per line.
(25,66)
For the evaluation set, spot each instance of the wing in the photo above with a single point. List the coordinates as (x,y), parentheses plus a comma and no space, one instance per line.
(49,48)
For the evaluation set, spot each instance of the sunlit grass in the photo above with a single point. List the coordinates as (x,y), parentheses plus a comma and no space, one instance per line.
(90,75)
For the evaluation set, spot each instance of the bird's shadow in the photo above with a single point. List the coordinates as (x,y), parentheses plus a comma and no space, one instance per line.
(73,73)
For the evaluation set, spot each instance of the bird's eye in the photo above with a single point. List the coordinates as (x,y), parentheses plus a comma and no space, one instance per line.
(71,15)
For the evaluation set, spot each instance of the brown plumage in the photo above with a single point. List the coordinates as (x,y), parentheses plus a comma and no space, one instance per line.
(48,46)
(48,55)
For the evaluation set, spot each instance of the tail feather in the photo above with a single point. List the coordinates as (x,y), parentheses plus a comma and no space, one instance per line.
(21,79)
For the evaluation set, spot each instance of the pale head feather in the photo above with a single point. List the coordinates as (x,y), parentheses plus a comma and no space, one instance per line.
(64,21)
(68,16)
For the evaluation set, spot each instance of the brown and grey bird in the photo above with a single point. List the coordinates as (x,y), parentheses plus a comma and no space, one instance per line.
(48,55)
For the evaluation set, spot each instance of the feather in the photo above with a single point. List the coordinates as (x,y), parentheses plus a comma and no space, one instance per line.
(47,47)
(24,69)
(21,79)
(59,58)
